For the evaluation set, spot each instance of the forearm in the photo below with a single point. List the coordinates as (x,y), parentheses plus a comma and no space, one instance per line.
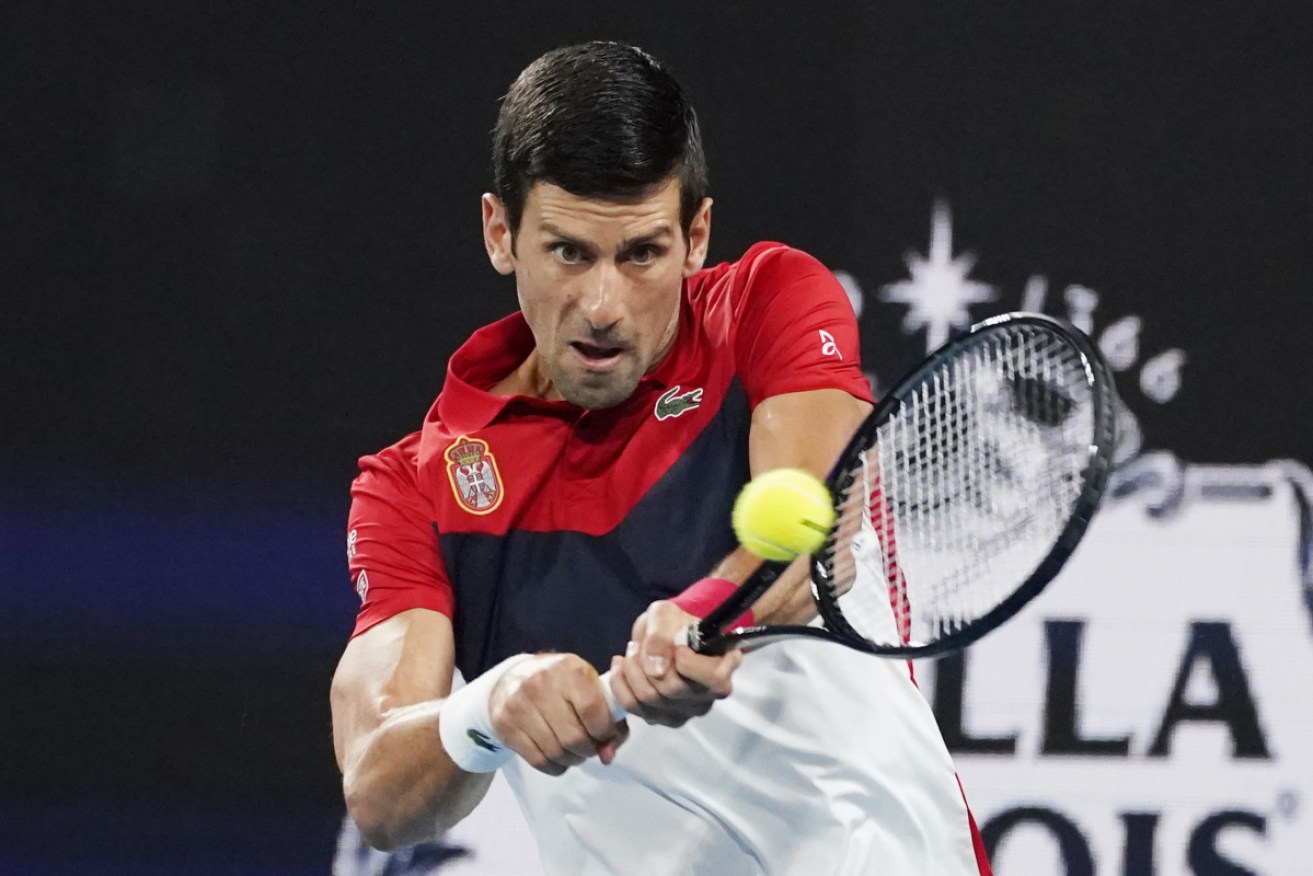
(804,430)
(788,601)
(401,787)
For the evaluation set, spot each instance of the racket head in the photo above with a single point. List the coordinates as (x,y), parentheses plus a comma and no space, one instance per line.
(963,494)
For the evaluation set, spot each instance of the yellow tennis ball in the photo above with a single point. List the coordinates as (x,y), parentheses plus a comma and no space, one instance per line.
(782,514)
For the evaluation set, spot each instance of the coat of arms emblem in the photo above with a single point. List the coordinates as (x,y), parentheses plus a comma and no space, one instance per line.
(474,476)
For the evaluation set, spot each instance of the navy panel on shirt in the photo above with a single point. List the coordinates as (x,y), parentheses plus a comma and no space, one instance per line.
(569,591)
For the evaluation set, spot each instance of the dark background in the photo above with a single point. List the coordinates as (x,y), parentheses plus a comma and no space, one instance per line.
(240,241)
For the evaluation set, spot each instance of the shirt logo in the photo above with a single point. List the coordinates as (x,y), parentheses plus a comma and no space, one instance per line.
(673,404)
(828,345)
(475,480)
(482,740)
(362,585)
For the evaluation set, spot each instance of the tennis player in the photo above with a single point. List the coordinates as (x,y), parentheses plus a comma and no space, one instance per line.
(564,509)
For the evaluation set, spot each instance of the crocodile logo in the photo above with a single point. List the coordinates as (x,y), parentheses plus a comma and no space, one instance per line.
(482,740)
(673,403)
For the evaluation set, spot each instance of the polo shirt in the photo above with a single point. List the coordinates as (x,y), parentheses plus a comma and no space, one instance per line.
(542,526)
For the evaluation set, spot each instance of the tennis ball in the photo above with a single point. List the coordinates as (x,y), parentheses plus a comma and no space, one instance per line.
(782,514)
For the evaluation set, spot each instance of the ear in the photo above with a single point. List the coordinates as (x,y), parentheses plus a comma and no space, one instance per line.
(497,237)
(699,238)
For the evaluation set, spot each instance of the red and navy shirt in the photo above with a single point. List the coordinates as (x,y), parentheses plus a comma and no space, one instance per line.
(541,526)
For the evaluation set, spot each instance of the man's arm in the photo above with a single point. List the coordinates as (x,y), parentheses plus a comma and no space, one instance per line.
(387,695)
(806,430)
(387,698)
(667,684)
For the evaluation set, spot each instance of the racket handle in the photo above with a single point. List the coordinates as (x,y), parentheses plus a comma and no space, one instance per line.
(618,712)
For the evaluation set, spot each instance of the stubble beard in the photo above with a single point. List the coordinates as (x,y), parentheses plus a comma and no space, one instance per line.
(594,392)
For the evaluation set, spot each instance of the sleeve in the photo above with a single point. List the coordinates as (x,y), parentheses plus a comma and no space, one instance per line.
(796,329)
(392,546)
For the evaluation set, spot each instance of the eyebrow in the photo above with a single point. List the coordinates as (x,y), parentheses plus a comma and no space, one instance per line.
(625,245)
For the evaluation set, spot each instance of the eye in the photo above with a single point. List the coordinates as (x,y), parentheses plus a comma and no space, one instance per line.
(645,255)
(568,253)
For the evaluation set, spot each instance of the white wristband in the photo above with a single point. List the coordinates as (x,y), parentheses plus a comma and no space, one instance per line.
(466,727)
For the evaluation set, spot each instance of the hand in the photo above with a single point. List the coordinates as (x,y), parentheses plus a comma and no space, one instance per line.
(667,683)
(552,712)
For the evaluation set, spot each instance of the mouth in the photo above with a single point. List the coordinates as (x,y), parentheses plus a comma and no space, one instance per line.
(596,357)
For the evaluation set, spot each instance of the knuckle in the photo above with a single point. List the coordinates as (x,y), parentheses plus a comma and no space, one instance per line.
(533,683)
(576,742)
(502,724)
(516,707)
(638,684)
(578,666)
(670,688)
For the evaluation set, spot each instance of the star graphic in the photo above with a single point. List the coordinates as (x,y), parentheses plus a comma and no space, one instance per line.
(939,291)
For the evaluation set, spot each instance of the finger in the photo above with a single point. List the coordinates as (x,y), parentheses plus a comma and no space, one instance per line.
(527,747)
(640,686)
(656,645)
(592,709)
(707,673)
(654,706)
(562,739)
(606,752)
(657,710)
(546,717)
(703,676)
(566,725)
(639,629)
(676,713)
(576,708)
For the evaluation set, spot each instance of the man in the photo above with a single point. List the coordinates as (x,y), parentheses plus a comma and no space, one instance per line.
(568,492)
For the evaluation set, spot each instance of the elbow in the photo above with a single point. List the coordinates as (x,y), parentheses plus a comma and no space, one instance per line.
(371,818)
(386,826)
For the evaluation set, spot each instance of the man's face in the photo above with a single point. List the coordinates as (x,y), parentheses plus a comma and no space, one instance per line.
(599,284)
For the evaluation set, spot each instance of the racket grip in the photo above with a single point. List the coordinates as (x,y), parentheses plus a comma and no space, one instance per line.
(618,712)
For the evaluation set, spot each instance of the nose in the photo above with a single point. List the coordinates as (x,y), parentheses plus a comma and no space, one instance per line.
(602,302)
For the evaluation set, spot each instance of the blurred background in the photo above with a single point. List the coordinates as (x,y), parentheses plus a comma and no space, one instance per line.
(242,239)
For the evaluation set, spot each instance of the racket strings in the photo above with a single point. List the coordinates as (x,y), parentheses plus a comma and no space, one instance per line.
(866,575)
(966,490)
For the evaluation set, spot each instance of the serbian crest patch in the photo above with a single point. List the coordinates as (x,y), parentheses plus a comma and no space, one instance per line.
(472,470)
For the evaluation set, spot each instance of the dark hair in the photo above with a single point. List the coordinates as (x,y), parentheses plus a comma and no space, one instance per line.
(600,120)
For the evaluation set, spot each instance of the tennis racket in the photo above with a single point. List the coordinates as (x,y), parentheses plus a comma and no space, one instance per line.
(957,500)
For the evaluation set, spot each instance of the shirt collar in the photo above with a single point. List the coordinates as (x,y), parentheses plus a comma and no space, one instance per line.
(494,351)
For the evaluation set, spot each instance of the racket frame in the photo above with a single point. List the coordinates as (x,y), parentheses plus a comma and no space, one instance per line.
(708,636)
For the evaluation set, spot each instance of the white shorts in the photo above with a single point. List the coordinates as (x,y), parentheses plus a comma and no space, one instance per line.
(823,761)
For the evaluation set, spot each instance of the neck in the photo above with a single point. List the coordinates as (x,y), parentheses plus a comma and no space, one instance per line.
(529,379)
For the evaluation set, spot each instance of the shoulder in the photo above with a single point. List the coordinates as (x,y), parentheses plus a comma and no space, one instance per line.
(772,260)
(763,260)
(766,268)
(397,460)
(390,477)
